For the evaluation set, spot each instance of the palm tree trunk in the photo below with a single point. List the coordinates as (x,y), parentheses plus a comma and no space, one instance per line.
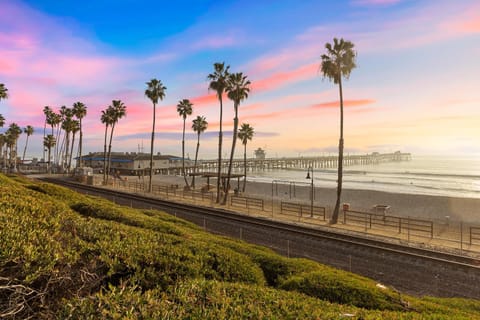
(230,163)
(65,152)
(195,163)
(220,138)
(340,160)
(49,169)
(80,162)
(105,156)
(151,152)
(244,167)
(71,152)
(183,156)
(25,149)
(109,163)
(44,135)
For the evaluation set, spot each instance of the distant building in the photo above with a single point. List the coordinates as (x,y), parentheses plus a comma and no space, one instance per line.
(260,154)
(132,163)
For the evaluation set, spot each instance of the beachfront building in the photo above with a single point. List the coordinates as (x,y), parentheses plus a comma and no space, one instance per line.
(260,154)
(133,163)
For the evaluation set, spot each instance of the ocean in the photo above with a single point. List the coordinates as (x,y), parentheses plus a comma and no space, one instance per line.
(429,175)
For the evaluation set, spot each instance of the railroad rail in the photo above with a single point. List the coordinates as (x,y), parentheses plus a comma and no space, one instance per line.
(413,270)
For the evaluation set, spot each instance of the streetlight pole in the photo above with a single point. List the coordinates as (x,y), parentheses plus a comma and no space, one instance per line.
(310,169)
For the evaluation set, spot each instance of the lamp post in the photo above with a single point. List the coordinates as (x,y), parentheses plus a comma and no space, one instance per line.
(310,169)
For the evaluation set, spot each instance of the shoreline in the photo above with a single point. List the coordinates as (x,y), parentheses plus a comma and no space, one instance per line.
(418,206)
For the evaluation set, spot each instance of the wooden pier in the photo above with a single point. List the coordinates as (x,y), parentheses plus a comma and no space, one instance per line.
(322,162)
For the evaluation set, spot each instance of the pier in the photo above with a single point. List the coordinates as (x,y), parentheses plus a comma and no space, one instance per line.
(319,162)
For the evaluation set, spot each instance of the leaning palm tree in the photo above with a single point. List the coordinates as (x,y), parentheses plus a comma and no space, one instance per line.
(3,92)
(80,111)
(218,82)
(155,91)
(338,62)
(184,109)
(199,125)
(119,111)
(245,133)
(237,90)
(49,142)
(107,119)
(28,130)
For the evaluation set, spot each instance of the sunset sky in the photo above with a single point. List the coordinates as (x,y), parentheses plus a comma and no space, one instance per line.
(416,87)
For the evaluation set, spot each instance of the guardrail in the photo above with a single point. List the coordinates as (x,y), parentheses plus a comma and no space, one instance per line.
(301,209)
(372,220)
(474,234)
(246,202)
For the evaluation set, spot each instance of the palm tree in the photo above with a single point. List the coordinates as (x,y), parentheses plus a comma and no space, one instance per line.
(107,119)
(119,110)
(67,126)
(80,111)
(3,92)
(75,127)
(199,125)
(49,142)
(155,91)
(184,109)
(3,141)
(237,90)
(46,111)
(13,132)
(245,133)
(218,82)
(338,62)
(28,130)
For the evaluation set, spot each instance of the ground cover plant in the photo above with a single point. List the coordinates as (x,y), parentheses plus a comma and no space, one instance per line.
(64,255)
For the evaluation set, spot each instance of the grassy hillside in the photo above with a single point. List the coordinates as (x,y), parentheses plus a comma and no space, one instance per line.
(68,256)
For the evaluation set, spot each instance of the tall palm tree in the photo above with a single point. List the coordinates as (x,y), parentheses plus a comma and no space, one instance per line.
(184,109)
(67,126)
(80,111)
(28,130)
(3,141)
(155,91)
(3,92)
(237,90)
(107,119)
(245,133)
(338,62)
(49,142)
(75,127)
(199,125)
(119,111)
(218,82)
(13,132)
(46,111)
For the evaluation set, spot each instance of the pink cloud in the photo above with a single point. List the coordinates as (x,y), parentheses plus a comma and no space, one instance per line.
(281,79)
(346,103)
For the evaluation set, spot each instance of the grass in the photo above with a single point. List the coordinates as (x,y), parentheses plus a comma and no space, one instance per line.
(64,255)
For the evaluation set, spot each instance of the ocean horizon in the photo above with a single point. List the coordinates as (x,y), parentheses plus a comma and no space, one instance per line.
(427,175)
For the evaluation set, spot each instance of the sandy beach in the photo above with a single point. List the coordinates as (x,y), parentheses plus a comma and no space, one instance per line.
(406,205)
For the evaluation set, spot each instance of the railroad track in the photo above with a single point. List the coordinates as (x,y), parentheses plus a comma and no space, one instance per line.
(409,269)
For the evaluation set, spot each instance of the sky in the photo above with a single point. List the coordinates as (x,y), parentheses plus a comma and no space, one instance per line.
(415,89)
